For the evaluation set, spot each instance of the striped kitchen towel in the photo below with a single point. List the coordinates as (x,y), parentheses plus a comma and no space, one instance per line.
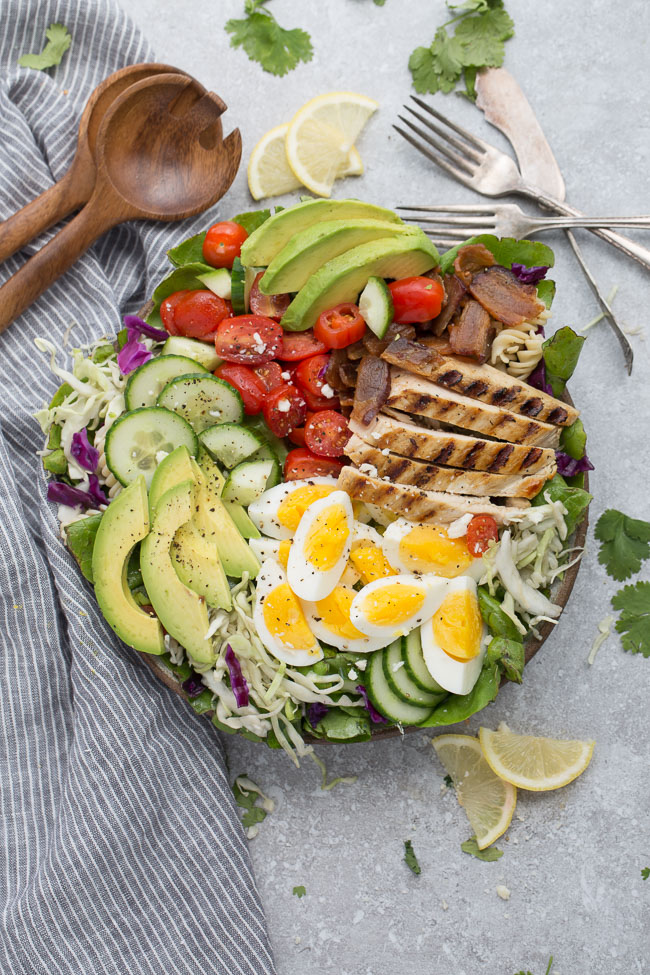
(121,847)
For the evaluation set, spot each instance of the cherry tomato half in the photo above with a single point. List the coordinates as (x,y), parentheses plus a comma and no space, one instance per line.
(301,345)
(272,306)
(284,409)
(481,530)
(340,326)
(222,243)
(416,299)
(297,435)
(271,375)
(310,378)
(250,387)
(196,314)
(302,463)
(327,433)
(249,340)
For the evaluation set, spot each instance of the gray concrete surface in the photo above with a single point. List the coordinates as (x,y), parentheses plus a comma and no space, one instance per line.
(572,858)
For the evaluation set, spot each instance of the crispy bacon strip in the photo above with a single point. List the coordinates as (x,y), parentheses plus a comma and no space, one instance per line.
(372,389)
(470,260)
(505,297)
(456,293)
(472,334)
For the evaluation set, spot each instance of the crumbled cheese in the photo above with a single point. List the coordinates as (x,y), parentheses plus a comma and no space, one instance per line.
(327,390)
(375,435)
(260,346)
(352,674)
(160,456)
(385,451)
(368,469)
(503,892)
(286,376)
(458,528)
(284,405)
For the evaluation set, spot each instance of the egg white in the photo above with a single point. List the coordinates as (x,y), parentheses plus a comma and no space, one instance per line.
(270,576)
(263,512)
(431,587)
(395,534)
(365,644)
(456,676)
(306,580)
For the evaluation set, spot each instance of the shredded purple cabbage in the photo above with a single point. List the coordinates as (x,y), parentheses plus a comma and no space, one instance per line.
(61,493)
(537,378)
(132,355)
(83,452)
(568,466)
(374,715)
(528,275)
(322,372)
(237,679)
(193,686)
(316,712)
(140,327)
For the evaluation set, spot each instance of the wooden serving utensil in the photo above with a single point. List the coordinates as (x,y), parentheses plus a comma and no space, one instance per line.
(160,155)
(75,188)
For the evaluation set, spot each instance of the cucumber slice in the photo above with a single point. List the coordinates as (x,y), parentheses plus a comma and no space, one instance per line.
(278,446)
(250,480)
(197,351)
(135,441)
(238,288)
(401,684)
(384,699)
(240,517)
(415,666)
(146,383)
(230,444)
(376,306)
(218,281)
(202,401)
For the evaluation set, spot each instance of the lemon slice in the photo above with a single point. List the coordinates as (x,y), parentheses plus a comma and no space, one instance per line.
(488,801)
(321,135)
(269,173)
(538,764)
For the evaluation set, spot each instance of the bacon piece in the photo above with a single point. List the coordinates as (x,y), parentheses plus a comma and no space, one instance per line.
(472,334)
(456,293)
(375,346)
(470,260)
(372,389)
(505,297)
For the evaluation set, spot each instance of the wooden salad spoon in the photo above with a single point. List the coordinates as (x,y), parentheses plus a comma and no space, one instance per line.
(75,188)
(160,155)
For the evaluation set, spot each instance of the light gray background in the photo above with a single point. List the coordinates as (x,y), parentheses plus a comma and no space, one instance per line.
(572,858)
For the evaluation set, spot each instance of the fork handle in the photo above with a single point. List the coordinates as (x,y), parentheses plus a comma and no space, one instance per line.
(630,247)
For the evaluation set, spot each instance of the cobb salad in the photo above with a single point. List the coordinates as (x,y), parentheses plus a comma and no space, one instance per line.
(328,479)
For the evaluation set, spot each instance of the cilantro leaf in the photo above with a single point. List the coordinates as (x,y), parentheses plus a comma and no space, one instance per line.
(625,543)
(299,891)
(259,34)
(379,3)
(490,854)
(482,37)
(634,621)
(246,795)
(58,42)
(645,872)
(410,858)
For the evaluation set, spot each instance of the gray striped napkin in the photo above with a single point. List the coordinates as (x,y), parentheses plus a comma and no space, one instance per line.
(121,849)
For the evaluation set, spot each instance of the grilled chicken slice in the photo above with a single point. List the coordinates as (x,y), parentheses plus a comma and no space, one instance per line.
(427,507)
(432,477)
(409,439)
(415,395)
(484,382)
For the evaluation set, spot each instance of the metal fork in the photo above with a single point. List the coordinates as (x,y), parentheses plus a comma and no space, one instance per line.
(488,170)
(503,220)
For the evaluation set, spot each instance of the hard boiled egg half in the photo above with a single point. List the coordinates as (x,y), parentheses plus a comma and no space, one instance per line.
(278,511)
(329,619)
(367,555)
(393,606)
(428,548)
(280,621)
(320,548)
(454,638)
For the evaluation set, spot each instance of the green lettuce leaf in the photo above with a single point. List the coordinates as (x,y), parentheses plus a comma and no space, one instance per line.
(509,655)
(337,725)
(561,354)
(190,251)
(574,499)
(80,539)
(457,707)
(546,291)
(253,219)
(498,622)
(507,251)
(573,440)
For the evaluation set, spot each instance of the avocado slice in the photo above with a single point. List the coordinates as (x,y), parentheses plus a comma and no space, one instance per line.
(172,470)
(344,277)
(215,522)
(308,250)
(269,239)
(181,611)
(124,523)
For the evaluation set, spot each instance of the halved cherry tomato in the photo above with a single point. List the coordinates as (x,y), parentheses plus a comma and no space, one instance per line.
(222,243)
(301,345)
(481,530)
(416,299)
(196,314)
(297,435)
(284,409)
(271,375)
(302,463)
(272,306)
(340,326)
(327,433)
(248,339)
(310,378)
(250,386)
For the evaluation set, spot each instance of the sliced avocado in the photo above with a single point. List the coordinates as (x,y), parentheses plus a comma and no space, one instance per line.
(269,239)
(307,251)
(215,522)
(197,563)
(344,277)
(173,469)
(240,516)
(124,523)
(181,611)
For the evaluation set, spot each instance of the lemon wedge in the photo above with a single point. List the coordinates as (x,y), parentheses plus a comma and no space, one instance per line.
(321,135)
(269,173)
(537,764)
(488,800)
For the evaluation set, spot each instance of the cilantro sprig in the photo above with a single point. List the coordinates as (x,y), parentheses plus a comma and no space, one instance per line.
(278,50)
(481,29)
(625,543)
(58,41)
(633,624)
(299,891)
(489,854)
(645,872)
(410,858)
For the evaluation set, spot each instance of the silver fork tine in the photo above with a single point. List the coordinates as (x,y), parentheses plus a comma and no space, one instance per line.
(480,211)
(462,147)
(466,156)
(449,153)
(472,139)
(456,221)
(434,157)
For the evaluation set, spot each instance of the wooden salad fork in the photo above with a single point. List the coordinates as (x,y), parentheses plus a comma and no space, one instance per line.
(159,155)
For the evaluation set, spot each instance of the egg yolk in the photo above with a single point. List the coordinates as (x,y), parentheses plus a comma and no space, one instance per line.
(292,508)
(283,552)
(371,563)
(334,611)
(326,538)
(458,626)
(428,548)
(392,604)
(285,620)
